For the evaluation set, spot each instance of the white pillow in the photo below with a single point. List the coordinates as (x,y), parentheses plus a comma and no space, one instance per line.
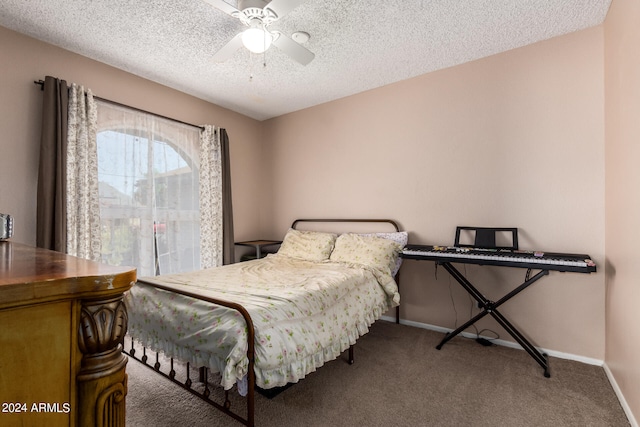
(371,251)
(307,245)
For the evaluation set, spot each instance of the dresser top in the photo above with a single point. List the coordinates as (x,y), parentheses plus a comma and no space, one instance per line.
(32,275)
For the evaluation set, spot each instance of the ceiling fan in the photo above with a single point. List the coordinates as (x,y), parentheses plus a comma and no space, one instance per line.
(258,15)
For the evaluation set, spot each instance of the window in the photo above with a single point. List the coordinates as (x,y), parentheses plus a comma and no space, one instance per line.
(148,185)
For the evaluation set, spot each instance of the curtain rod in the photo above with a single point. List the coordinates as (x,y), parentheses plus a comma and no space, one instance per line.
(41,84)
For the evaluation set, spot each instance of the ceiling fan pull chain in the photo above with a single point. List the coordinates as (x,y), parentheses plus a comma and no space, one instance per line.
(264,59)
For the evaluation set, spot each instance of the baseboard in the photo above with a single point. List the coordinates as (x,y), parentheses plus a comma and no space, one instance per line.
(510,344)
(623,401)
(553,353)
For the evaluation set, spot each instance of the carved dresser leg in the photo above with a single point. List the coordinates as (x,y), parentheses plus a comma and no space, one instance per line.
(102,381)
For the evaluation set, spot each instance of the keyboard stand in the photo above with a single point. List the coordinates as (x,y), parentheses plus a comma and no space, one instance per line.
(491,307)
(475,245)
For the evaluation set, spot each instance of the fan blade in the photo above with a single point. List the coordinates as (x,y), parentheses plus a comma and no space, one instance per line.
(223,6)
(282,7)
(293,49)
(229,49)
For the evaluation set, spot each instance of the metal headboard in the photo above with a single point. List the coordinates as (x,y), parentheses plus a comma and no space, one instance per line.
(320,220)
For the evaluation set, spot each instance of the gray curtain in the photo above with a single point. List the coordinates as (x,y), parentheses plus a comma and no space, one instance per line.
(51,227)
(228,240)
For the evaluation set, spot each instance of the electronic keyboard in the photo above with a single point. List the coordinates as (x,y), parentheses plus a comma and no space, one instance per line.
(501,257)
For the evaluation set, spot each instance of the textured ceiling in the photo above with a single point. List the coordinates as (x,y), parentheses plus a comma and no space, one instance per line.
(358,45)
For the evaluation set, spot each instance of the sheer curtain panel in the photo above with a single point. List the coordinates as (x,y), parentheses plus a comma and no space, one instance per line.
(149,191)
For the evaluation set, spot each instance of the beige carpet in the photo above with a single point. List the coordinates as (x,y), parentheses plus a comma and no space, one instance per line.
(400,379)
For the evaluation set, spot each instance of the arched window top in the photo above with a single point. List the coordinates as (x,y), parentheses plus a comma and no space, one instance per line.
(126,158)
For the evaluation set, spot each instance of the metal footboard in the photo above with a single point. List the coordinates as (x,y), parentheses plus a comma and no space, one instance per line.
(205,394)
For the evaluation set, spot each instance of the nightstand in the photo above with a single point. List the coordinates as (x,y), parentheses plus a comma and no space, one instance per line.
(258,245)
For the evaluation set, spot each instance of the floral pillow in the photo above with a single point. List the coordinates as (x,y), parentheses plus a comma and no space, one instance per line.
(401,238)
(307,245)
(372,251)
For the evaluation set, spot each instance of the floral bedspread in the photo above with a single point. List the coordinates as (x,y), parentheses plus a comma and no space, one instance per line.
(304,313)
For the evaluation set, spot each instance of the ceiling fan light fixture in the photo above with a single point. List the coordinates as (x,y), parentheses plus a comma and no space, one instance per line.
(256,40)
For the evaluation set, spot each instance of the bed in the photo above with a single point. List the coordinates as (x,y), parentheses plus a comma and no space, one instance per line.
(269,322)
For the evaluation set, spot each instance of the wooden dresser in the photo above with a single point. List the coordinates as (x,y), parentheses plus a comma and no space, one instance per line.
(62,321)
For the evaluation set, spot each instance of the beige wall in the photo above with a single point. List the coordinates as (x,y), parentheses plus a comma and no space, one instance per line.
(24,60)
(514,140)
(622,110)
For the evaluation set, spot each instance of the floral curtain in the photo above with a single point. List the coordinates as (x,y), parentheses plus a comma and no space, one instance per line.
(83,209)
(211,244)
